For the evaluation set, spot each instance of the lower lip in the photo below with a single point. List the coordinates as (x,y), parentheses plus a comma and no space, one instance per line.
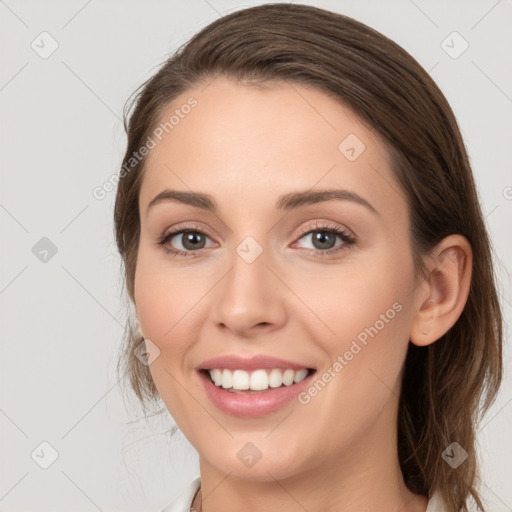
(255,404)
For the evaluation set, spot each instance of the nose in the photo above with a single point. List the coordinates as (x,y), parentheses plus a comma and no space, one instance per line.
(250,299)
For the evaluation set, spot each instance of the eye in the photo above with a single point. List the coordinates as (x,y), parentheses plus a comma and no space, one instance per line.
(184,241)
(327,239)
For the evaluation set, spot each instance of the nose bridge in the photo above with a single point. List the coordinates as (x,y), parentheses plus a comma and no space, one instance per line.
(250,293)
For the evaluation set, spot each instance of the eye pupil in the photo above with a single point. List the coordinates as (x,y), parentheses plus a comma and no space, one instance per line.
(320,237)
(194,239)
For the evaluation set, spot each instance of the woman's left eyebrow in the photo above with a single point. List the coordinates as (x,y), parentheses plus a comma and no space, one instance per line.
(285,202)
(307,197)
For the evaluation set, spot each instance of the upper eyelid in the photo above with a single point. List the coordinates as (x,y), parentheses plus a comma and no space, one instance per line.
(326,226)
(189,227)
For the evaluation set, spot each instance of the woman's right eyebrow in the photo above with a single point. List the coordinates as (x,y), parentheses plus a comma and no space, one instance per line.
(197,199)
(286,202)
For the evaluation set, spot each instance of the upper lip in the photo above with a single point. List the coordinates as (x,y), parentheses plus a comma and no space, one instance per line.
(234,362)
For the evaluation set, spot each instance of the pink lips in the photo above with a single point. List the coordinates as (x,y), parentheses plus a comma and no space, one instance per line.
(252,405)
(231,362)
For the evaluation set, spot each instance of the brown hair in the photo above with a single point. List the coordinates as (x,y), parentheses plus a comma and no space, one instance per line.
(448,385)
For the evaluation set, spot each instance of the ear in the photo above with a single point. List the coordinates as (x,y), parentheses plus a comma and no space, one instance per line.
(441,297)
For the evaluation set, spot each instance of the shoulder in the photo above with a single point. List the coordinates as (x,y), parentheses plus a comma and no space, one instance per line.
(183,501)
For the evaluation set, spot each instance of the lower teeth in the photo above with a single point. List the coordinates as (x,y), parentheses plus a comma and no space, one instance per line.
(249,391)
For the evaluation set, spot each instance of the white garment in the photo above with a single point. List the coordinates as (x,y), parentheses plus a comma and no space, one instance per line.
(183,502)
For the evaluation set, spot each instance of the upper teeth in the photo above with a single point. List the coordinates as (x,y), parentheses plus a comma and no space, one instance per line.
(257,380)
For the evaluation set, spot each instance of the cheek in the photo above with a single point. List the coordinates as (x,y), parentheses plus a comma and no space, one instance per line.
(365,317)
(164,295)
(157,305)
(152,303)
(167,301)
(349,300)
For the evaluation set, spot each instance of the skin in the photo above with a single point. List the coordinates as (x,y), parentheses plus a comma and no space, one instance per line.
(246,146)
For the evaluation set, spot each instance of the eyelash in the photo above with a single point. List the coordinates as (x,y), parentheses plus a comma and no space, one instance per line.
(347,239)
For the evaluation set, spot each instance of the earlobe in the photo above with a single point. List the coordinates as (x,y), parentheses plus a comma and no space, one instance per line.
(442,296)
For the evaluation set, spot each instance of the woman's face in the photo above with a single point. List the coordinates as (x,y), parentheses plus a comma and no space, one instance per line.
(275,280)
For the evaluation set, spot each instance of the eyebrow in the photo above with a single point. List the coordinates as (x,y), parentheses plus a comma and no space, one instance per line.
(286,202)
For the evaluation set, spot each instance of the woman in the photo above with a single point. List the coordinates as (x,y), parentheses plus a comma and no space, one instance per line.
(311,274)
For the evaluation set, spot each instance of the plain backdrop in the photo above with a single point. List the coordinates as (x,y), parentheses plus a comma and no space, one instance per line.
(62,312)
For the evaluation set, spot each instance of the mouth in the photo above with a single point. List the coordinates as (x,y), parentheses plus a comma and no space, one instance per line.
(252,394)
(258,381)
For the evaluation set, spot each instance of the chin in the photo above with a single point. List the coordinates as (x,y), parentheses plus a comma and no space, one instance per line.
(250,462)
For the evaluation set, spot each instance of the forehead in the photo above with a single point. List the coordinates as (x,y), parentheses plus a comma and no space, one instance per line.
(256,143)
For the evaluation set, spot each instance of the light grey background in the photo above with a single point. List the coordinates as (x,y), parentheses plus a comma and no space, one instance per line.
(61,323)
